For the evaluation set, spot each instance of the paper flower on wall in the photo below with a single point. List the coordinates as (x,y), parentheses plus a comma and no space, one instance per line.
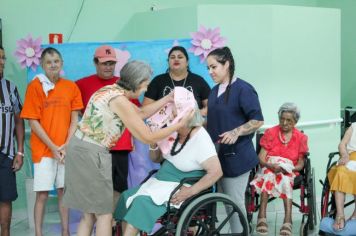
(206,40)
(28,52)
(122,58)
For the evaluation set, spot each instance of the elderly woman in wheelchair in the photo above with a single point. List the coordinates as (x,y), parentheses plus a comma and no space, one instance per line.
(281,157)
(192,154)
(342,177)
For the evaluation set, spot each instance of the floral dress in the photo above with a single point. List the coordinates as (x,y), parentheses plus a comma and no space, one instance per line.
(99,122)
(285,155)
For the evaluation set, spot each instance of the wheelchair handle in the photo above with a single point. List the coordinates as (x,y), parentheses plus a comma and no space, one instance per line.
(332,154)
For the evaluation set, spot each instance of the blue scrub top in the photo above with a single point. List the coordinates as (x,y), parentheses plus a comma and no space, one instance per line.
(243,105)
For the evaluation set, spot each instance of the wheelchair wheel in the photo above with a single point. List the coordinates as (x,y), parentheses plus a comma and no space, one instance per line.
(311,201)
(207,215)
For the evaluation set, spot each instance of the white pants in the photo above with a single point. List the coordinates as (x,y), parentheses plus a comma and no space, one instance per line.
(235,187)
(47,174)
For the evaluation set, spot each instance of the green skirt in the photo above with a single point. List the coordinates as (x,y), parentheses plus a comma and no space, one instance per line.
(143,212)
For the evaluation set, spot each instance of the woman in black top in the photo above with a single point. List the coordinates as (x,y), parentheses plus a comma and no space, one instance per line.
(178,74)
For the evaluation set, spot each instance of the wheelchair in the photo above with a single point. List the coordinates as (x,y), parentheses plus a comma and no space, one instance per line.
(202,214)
(305,182)
(328,206)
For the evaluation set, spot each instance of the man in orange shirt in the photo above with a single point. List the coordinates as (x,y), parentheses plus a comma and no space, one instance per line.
(51,106)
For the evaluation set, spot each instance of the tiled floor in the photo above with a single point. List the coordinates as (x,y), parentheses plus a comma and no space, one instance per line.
(275,214)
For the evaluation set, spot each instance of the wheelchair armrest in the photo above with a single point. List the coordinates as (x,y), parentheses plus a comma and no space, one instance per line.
(189,180)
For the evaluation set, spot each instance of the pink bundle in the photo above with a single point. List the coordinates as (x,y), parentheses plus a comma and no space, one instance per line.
(170,114)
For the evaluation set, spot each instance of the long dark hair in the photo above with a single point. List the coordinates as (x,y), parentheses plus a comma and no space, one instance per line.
(222,55)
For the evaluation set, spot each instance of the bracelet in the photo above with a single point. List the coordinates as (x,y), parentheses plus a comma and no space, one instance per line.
(20,154)
(153,149)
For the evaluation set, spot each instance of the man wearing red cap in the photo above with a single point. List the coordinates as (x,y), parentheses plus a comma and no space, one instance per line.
(105,61)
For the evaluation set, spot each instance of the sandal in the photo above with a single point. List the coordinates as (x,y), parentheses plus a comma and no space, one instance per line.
(338,221)
(262,226)
(286,229)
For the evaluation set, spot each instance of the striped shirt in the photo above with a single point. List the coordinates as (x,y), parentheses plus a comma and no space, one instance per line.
(10,105)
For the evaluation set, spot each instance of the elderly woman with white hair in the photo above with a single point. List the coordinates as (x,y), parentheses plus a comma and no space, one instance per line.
(192,154)
(281,157)
(88,180)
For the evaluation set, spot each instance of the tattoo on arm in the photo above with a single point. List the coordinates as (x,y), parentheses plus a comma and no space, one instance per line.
(249,127)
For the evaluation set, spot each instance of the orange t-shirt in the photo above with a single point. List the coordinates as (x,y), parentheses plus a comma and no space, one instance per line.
(53,113)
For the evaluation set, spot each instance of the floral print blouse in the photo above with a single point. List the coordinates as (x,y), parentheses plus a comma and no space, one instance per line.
(99,122)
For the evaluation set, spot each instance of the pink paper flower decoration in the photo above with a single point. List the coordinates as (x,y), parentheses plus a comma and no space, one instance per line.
(122,58)
(206,40)
(28,52)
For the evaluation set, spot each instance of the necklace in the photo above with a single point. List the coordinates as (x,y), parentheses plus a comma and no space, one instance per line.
(284,141)
(185,80)
(173,152)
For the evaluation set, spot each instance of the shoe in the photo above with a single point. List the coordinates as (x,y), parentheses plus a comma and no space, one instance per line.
(286,229)
(262,226)
(338,221)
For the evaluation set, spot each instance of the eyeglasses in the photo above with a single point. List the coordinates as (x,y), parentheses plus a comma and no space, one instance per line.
(3,58)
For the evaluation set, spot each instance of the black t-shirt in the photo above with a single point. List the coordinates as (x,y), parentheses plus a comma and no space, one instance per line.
(162,85)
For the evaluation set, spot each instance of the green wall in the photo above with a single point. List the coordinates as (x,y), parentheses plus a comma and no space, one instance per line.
(105,20)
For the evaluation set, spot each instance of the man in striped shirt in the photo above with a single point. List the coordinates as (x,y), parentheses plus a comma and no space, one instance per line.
(11,126)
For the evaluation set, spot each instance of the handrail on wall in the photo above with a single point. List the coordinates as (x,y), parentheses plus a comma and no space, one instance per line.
(311,123)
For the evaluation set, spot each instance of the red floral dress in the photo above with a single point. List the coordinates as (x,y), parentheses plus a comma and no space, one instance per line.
(286,155)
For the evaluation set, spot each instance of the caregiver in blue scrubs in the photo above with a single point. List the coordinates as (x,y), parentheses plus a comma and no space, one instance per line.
(234,114)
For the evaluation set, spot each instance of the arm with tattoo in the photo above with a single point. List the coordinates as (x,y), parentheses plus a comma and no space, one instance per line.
(248,128)
(231,136)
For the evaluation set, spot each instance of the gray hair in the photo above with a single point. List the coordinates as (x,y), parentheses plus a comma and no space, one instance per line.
(197,119)
(291,108)
(133,74)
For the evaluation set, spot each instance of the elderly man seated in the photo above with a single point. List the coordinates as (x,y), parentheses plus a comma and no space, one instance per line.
(189,153)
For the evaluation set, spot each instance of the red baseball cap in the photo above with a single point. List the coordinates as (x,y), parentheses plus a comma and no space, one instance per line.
(105,53)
